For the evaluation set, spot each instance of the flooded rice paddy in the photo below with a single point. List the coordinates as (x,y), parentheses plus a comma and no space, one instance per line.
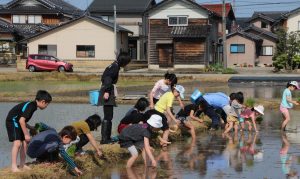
(267,154)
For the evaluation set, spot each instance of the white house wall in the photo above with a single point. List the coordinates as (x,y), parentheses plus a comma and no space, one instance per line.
(177,8)
(292,22)
(82,32)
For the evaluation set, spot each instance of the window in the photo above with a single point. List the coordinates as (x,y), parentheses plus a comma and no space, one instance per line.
(266,51)
(264,25)
(30,19)
(178,21)
(237,48)
(48,50)
(85,51)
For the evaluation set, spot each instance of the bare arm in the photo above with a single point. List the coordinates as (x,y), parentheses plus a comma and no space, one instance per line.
(180,102)
(148,151)
(193,117)
(24,129)
(289,99)
(93,142)
(151,100)
(170,114)
(253,118)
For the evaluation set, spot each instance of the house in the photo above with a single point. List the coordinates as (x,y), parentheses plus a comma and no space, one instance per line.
(29,17)
(215,55)
(179,35)
(254,42)
(130,16)
(268,20)
(85,39)
(292,22)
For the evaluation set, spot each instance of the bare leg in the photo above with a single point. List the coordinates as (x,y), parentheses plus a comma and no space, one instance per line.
(192,130)
(236,128)
(166,135)
(286,120)
(14,155)
(131,161)
(23,151)
(230,125)
(144,155)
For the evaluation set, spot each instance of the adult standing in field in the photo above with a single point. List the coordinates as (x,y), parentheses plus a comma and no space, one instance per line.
(108,93)
(161,87)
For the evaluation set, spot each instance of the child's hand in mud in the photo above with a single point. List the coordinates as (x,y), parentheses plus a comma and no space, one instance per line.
(154,163)
(78,172)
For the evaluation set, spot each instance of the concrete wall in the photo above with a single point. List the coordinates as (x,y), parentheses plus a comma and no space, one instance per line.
(240,58)
(293,21)
(82,32)
(131,22)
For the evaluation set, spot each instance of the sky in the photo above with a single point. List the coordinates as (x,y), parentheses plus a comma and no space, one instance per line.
(243,8)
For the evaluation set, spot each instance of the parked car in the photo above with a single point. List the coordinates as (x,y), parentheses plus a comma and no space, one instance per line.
(38,62)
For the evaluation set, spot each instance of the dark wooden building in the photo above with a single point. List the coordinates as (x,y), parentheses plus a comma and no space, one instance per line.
(179,35)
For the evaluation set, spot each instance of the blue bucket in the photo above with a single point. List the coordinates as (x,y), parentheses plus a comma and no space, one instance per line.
(195,95)
(94,96)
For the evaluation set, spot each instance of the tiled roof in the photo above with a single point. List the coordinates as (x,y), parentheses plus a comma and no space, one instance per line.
(194,31)
(261,31)
(111,25)
(250,36)
(293,11)
(123,6)
(218,8)
(49,6)
(242,22)
(271,16)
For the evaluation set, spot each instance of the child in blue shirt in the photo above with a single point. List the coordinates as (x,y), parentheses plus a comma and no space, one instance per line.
(46,146)
(287,102)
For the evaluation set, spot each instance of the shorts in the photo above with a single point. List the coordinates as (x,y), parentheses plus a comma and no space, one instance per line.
(233,119)
(133,150)
(182,119)
(14,131)
(284,111)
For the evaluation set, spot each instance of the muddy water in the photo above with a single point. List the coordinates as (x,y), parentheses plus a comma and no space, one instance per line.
(268,154)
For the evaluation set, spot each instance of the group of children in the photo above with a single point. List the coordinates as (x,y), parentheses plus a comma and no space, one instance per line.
(137,126)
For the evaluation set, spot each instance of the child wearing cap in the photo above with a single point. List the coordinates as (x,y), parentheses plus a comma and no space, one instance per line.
(136,137)
(83,129)
(287,102)
(249,116)
(163,108)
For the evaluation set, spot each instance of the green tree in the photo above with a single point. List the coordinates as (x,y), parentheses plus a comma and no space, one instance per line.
(287,54)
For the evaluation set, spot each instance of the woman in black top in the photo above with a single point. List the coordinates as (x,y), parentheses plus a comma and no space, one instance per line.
(107,97)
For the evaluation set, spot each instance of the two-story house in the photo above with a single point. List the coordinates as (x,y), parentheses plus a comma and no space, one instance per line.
(292,22)
(255,44)
(130,15)
(25,18)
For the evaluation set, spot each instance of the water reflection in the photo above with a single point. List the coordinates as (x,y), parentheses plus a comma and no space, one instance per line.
(287,159)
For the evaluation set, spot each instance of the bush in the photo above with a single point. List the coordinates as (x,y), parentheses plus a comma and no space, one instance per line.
(250,102)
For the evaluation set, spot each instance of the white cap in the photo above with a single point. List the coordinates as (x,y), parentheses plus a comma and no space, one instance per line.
(295,83)
(155,121)
(260,109)
(181,90)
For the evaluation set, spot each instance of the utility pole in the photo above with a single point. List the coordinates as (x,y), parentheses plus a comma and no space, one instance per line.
(115,30)
(224,35)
